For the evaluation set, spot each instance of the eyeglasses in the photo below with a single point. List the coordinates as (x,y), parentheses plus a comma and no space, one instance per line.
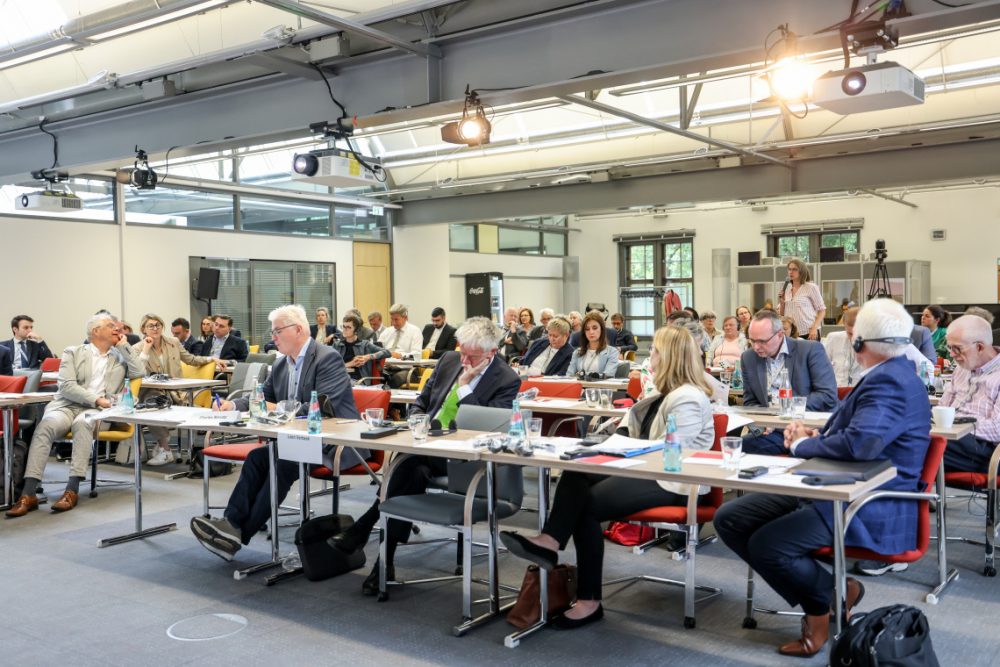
(957,349)
(766,340)
(154,326)
(274,332)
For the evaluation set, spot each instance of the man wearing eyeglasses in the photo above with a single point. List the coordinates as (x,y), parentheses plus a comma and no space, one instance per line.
(809,371)
(304,367)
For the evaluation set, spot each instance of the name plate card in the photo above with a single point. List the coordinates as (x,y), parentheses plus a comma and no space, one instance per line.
(301,447)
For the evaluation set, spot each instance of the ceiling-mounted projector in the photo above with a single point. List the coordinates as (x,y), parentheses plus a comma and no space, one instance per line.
(49,200)
(334,167)
(868,88)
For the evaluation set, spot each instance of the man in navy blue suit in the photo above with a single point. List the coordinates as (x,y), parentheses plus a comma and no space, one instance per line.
(809,371)
(474,376)
(550,355)
(26,349)
(886,416)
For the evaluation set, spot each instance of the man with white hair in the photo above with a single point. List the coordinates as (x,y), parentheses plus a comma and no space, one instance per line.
(886,416)
(474,376)
(403,341)
(545,315)
(90,376)
(304,367)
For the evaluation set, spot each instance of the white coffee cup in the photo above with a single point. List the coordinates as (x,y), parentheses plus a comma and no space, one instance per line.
(944,417)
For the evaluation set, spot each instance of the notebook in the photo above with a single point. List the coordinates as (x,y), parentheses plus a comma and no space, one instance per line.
(859,470)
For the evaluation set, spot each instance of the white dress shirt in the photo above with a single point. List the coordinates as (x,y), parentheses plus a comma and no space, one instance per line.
(408,341)
(98,368)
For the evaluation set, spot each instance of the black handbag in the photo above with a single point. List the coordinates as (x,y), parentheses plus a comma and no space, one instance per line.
(896,636)
(320,560)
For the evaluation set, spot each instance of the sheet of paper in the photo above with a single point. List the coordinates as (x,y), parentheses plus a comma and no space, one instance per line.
(781,479)
(299,446)
(622,463)
(457,445)
(772,463)
(736,420)
(554,403)
(620,444)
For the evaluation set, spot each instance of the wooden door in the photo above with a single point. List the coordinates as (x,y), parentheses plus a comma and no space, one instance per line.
(372,278)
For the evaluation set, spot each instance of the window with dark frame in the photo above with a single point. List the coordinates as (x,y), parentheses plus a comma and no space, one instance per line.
(647,268)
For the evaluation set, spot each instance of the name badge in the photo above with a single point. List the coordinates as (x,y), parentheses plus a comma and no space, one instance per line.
(301,447)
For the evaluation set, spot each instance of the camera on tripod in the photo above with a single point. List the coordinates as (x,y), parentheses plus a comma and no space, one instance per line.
(880,253)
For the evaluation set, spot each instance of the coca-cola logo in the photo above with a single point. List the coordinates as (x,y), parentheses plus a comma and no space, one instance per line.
(477,290)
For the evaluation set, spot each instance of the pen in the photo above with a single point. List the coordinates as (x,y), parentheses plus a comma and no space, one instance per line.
(217,402)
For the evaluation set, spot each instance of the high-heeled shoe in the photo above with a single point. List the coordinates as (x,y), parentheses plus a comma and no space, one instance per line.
(522,547)
(561,622)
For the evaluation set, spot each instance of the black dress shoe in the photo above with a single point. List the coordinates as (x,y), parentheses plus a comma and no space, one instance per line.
(370,584)
(522,547)
(348,541)
(562,623)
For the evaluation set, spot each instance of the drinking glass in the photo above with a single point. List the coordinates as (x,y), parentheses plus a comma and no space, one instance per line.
(606,395)
(534,430)
(373,417)
(732,449)
(593,396)
(419,426)
(799,407)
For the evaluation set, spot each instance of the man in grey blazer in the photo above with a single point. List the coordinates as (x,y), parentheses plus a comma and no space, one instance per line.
(809,371)
(90,375)
(304,368)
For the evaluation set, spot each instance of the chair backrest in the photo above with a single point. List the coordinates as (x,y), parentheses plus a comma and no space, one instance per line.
(266,358)
(842,392)
(13,384)
(481,418)
(365,397)
(34,379)
(935,454)
(720,421)
(509,480)
(51,364)
(254,349)
(203,398)
(554,389)
(630,355)
(634,388)
(425,375)
(623,370)
(425,354)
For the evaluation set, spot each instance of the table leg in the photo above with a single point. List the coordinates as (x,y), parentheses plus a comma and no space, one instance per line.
(304,513)
(272,474)
(139,533)
(8,452)
(514,639)
(944,576)
(839,569)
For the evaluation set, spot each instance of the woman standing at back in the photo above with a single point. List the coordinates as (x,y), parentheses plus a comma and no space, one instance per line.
(801,300)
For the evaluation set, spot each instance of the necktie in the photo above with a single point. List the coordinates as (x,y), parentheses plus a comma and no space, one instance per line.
(449,408)
(22,354)
(395,340)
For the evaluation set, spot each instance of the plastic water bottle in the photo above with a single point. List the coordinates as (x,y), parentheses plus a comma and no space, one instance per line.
(938,381)
(315,418)
(258,406)
(927,375)
(737,381)
(515,434)
(128,400)
(671,447)
(784,393)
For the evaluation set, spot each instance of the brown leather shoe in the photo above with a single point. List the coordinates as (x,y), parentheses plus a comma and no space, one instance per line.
(23,505)
(855,593)
(815,632)
(66,502)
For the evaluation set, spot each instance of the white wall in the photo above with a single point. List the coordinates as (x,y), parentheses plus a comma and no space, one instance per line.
(60,272)
(963,267)
(426,274)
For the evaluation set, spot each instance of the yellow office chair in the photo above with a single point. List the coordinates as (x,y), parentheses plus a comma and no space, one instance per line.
(203,397)
(425,354)
(254,349)
(424,377)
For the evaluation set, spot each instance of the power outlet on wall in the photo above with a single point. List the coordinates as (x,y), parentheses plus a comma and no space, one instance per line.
(938,235)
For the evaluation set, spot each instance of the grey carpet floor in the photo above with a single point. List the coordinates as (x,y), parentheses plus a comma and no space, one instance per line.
(69,602)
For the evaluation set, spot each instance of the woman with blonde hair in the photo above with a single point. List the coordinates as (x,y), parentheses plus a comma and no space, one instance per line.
(163,354)
(801,300)
(584,500)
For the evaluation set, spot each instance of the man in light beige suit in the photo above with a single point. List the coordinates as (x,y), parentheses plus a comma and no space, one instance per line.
(89,375)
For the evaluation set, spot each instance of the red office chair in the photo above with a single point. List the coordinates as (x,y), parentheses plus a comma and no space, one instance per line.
(230,452)
(842,392)
(364,398)
(12,384)
(933,485)
(554,425)
(979,483)
(634,388)
(678,518)
(50,365)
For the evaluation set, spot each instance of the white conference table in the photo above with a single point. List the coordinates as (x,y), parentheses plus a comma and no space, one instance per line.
(9,402)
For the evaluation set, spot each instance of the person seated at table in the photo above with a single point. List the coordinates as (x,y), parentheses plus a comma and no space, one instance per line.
(708,318)
(164,354)
(936,319)
(513,339)
(27,349)
(90,377)
(180,328)
(545,316)
(323,332)
(224,344)
(743,316)
(624,340)
(526,318)
(359,355)
(594,356)
(576,338)
(550,355)
(304,367)
(206,330)
(789,327)
(809,372)
(923,340)
(840,353)
(728,346)
(473,376)
(375,322)
(438,336)
(584,500)
(402,339)
(720,391)
(886,416)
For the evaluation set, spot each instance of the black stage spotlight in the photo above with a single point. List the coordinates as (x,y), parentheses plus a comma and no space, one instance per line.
(473,129)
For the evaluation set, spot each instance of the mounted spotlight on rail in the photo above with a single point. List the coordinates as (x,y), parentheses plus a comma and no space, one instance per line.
(141,176)
(473,129)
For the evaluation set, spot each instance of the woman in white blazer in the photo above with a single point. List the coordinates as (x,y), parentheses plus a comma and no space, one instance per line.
(583,500)
(594,354)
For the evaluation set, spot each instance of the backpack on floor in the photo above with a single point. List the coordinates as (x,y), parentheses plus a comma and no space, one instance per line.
(896,636)
(320,560)
(19,464)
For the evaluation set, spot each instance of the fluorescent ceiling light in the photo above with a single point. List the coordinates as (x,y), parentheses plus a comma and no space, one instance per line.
(100,81)
(37,55)
(156,20)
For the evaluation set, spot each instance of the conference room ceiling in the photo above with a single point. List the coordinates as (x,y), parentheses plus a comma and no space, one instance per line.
(197,76)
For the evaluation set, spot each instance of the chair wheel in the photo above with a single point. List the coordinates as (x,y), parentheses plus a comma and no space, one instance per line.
(750,623)
(415,530)
(382,597)
(931,599)
(93,494)
(688,622)
(458,571)
(990,571)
